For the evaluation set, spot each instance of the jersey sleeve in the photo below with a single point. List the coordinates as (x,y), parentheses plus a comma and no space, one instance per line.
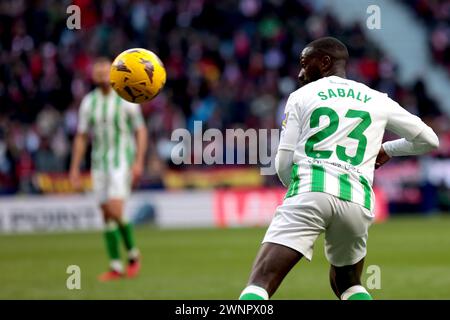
(83,115)
(134,114)
(290,127)
(402,122)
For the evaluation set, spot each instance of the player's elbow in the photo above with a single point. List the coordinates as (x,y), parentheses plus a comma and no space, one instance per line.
(432,140)
(283,164)
(434,143)
(285,179)
(429,140)
(81,137)
(279,170)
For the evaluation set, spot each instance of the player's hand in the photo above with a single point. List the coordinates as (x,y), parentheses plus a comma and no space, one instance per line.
(74,177)
(382,158)
(136,172)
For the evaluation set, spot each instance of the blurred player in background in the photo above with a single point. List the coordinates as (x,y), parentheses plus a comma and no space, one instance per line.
(118,152)
(330,144)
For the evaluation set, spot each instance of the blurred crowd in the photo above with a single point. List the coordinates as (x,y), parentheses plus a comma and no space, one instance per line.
(230,64)
(436,15)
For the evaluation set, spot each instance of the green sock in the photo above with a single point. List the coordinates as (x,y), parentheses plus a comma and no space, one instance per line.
(254,293)
(250,296)
(112,239)
(360,296)
(126,230)
(357,292)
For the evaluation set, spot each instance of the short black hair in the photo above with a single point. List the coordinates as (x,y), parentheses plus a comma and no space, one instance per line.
(102,59)
(331,47)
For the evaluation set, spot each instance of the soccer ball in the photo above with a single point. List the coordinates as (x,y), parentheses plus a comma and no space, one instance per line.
(137,75)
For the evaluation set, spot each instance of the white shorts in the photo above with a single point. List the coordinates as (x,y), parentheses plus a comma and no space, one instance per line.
(301,219)
(113,184)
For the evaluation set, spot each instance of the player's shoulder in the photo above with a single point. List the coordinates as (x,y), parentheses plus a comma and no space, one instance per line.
(92,93)
(312,87)
(365,88)
(307,92)
(90,96)
(127,105)
(313,90)
(88,99)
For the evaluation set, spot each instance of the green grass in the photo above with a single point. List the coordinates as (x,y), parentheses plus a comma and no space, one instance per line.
(413,254)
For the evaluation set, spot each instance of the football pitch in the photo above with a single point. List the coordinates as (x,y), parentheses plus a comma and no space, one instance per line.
(412,253)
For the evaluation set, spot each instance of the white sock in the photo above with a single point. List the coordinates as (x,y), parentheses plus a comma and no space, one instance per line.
(261,292)
(133,253)
(116,265)
(352,290)
(111,225)
(123,220)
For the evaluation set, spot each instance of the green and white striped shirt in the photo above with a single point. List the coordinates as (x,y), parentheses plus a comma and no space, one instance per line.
(335,128)
(112,121)
(341,180)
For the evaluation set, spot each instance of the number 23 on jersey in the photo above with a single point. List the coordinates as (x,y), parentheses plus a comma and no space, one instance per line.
(357,133)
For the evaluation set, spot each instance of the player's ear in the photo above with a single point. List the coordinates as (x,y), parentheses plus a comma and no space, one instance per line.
(325,63)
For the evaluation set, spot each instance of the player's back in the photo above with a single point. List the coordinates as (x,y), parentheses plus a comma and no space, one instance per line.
(341,125)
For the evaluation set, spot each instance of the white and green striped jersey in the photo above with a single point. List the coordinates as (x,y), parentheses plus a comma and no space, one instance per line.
(335,127)
(112,121)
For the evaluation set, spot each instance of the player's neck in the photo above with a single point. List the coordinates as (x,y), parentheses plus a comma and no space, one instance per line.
(105,90)
(336,72)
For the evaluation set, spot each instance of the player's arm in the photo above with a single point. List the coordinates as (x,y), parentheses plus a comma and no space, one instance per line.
(418,138)
(141,149)
(283,166)
(288,141)
(78,151)
(141,141)
(79,145)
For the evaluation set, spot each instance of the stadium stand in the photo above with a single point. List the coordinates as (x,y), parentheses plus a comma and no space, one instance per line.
(226,77)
